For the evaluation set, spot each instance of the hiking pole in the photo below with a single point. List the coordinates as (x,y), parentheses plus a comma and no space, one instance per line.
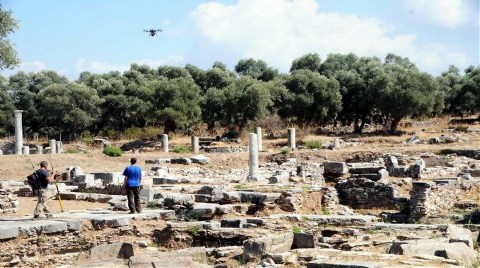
(55,181)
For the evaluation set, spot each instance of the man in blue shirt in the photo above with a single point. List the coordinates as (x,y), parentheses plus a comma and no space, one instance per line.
(131,184)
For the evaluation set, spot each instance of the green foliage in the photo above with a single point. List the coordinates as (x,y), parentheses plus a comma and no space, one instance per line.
(8,55)
(257,69)
(461,128)
(112,151)
(42,239)
(181,149)
(193,230)
(240,187)
(325,211)
(73,151)
(310,62)
(296,229)
(315,144)
(147,133)
(87,138)
(154,245)
(312,98)
(153,204)
(286,150)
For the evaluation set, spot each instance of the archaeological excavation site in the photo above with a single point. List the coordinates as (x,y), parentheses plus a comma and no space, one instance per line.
(265,201)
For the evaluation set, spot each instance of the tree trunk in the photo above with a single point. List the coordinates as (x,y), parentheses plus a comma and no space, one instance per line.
(356,128)
(393,127)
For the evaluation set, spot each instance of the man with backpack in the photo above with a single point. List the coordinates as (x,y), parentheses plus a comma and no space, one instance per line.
(44,194)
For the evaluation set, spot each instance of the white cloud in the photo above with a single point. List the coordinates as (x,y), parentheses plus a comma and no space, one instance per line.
(278,31)
(447,13)
(33,66)
(94,66)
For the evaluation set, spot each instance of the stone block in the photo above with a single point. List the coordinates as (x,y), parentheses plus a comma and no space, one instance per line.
(199,211)
(335,168)
(232,223)
(303,240)
(147,193)
(364,168)
(165,180)
(181,160)
(8,232)
(183,200)
(109,177)
(258,198)
(400,171)
(258,247)
(231,197)
(111,251)
(459,234)
(200,159)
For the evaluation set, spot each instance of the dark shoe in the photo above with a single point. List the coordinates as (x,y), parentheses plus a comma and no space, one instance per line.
(131,212)
(139,211)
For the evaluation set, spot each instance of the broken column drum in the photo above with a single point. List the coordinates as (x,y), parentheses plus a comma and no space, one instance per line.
(18,131)
(53,146)
(195,144)
(165,142)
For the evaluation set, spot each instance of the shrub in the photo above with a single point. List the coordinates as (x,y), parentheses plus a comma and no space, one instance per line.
(240,187)
(286,150)
(461,129)
(87,138)
(182,148)
(313,144)
(296,229)
(112,151)
(153,204)
(193,230)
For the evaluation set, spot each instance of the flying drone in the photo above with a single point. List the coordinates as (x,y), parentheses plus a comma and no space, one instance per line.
(152,32)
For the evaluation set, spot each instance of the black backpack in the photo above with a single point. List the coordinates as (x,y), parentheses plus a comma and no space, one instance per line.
(34,181)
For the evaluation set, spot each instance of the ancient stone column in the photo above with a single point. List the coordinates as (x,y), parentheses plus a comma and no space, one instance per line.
(258,130)
(39,149)
(165,142)
(25,150)
(195,144)
(53,146)
(252,157)
(291,139)
(18,131)
(59,147)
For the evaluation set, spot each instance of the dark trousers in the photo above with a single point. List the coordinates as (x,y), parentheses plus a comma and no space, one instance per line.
(133,195)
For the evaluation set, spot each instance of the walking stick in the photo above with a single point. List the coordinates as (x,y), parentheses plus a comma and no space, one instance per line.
(56,185)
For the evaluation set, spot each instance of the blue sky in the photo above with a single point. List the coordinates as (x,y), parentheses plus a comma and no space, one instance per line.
(103,35)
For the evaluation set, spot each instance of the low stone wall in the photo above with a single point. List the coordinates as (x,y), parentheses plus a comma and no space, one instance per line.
(429,199)
(362,193)
(8,203)
(239,149)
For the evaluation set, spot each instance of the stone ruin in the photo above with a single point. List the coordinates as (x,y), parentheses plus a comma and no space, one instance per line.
(394,210)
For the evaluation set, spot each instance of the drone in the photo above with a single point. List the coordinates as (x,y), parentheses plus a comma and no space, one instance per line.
(153,32)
